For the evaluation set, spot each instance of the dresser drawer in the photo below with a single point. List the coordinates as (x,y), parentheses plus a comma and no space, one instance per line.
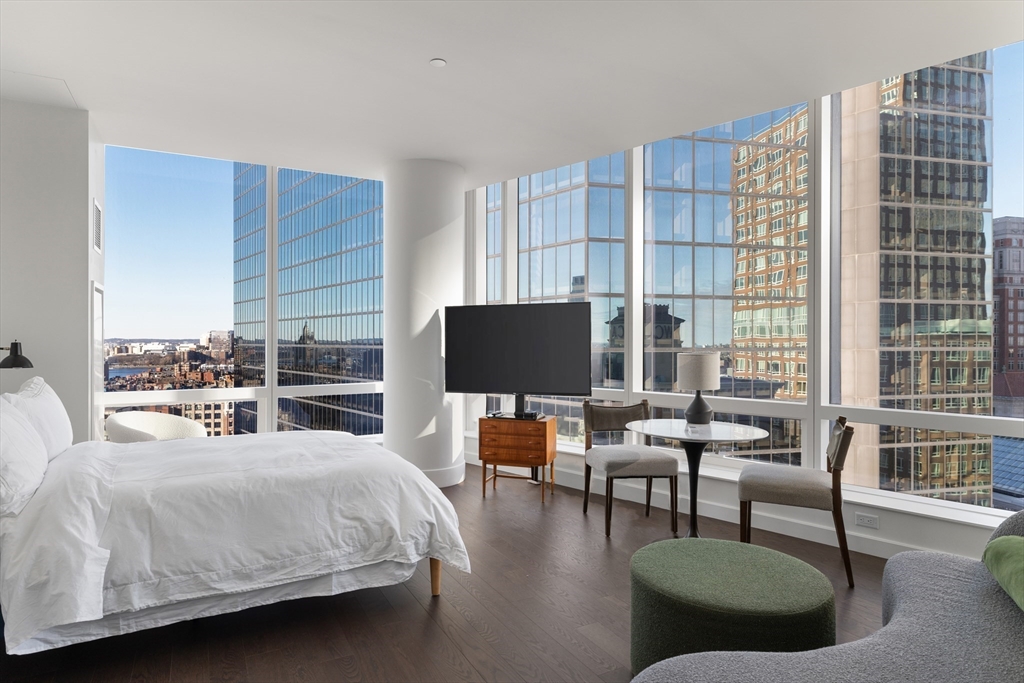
(524,443)
(513,427)
(509,456)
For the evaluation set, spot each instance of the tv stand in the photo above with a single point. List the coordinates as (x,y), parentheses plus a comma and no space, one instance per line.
(520,412)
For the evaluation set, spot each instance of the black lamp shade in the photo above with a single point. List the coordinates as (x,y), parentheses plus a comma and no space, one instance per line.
(15,359)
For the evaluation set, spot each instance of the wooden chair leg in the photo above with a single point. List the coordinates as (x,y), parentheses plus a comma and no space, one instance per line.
(608,505)
(673,503)
(744,509)
(650,485)
(587,471)
(837,517)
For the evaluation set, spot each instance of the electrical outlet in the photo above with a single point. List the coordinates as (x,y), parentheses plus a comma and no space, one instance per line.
(870,521)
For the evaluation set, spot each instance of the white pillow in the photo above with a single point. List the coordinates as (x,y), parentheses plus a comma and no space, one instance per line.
(22,460)
(41,405)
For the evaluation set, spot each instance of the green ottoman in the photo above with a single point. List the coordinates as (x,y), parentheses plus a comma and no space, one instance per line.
(698,595)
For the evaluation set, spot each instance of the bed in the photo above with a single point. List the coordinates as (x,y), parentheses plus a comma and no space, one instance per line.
(123,537)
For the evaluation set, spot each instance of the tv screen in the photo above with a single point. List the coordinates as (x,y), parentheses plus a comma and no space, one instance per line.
(518,349)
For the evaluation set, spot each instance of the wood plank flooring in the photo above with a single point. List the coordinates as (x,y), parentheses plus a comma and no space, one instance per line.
(548,600)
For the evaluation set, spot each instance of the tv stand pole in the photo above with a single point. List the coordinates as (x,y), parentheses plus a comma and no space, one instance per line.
(520,411)
(520,414)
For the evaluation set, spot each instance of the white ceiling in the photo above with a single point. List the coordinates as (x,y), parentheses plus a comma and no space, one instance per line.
(346,88)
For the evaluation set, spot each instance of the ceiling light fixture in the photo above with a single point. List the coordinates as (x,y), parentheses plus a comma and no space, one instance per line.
(437,62)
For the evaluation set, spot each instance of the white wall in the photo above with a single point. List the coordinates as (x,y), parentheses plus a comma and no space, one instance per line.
(46,261)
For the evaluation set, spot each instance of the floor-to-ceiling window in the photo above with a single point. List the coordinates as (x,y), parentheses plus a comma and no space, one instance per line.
(330,302)
(184,286)
(726,264)
(206,257)
(860,255)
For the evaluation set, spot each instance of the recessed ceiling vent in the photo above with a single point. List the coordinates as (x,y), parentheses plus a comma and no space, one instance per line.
(97,227)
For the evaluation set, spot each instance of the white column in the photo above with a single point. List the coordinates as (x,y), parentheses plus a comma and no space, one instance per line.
(424,264)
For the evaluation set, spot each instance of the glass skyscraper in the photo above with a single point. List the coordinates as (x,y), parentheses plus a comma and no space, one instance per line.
(329,298)
(250,270)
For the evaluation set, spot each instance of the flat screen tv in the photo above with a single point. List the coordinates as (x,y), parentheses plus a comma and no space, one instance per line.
(518,349)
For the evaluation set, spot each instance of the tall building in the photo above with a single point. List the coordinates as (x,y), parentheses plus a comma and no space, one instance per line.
(329,298)
(250,263)
(915,274)
(769,334)
(1008,316)
(572,248)
(1008,361)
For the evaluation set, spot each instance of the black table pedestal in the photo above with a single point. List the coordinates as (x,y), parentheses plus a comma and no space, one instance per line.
(694,451)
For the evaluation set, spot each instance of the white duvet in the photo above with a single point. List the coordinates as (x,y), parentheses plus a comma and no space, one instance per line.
(118,528)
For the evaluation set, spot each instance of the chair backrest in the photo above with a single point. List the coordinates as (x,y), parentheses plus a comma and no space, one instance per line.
(838,445)
(612,418)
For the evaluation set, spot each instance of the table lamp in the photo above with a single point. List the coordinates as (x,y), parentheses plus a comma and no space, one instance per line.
(698,371)
(15,359)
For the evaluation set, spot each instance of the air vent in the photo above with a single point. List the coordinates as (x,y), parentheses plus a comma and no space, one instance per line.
(97,227)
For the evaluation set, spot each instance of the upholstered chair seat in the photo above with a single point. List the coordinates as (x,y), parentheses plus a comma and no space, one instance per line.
(786,486)
(632,460)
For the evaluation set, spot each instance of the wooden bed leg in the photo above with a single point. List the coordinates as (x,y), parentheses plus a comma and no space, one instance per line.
(435,576)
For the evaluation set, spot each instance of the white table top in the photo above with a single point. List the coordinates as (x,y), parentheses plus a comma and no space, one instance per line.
(680,430)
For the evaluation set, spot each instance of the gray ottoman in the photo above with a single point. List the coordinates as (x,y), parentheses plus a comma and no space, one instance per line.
(699,595)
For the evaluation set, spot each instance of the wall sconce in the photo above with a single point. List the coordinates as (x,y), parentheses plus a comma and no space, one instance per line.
(14,359)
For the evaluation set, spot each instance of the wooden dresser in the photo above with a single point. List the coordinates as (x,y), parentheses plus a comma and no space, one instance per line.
(517,443)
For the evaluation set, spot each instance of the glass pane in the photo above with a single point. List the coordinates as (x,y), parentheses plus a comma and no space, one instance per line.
(359,414)
(750,197)
(329,291)
(943,239)
(159,207)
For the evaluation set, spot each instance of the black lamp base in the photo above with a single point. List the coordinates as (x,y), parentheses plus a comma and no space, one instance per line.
(699,411)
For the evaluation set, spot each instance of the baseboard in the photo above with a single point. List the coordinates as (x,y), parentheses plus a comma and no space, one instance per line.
(719,500)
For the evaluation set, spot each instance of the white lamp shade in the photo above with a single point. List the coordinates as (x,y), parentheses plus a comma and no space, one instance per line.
(699,370)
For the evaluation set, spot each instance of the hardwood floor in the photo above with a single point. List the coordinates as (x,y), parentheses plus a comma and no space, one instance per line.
(548,600)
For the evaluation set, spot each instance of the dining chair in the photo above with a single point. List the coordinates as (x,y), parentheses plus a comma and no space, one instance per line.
(802,487)
(625,461)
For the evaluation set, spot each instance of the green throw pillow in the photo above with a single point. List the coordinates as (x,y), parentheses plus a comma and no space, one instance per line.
(1004,557)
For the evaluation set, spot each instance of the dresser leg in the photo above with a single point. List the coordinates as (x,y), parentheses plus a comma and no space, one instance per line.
(552,477)
(483,476)
(543,483)
(495,474)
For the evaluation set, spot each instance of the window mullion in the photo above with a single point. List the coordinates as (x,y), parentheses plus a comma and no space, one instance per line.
(268,422)
(634,342)
(818,306)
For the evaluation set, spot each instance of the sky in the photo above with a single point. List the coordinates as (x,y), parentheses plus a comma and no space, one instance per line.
(169,247)
(1008,133)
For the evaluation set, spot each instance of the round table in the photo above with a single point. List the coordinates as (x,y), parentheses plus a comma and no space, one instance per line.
(695,439)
